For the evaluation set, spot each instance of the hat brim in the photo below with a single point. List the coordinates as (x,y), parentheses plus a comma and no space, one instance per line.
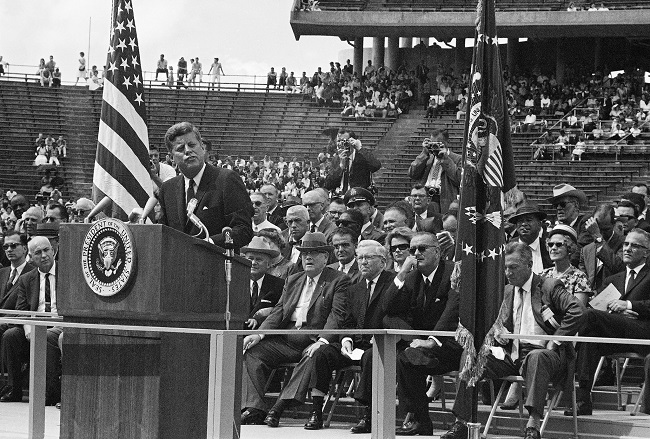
(320,248)
(271,253)
(564,233)
(582,198)
(540,215)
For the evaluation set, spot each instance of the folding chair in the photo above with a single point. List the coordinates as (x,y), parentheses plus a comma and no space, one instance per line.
(339,386)
(554,399)
(620,371)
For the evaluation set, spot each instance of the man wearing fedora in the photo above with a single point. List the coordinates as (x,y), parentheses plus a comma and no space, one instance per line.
(316,298)
(528,220)
(265,289)
(362,200)
(566,201)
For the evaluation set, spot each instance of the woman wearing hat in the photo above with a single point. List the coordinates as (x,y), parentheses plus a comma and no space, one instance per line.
(280,266)
(562,242)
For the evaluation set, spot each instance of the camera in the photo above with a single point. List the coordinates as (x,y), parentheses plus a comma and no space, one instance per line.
(433,147)
(345,144)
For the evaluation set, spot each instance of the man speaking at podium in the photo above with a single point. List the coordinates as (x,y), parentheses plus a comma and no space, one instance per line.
(220,194)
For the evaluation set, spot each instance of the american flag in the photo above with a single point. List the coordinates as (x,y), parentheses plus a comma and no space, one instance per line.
(488,179)
(122,160)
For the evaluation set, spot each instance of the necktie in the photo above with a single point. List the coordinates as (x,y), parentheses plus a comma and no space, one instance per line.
(190,191)
(48,293)
(255,294)
(313,228)
(517,324)
(12,277)
(427,284)
(630,281)
(302,318)
(369,291)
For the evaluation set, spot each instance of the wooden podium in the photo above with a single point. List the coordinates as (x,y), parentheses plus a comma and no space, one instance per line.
(137,385)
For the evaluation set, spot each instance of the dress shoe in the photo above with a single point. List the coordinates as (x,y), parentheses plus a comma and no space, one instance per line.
(509,405)
(12,397)
(252,416)
(315,421)
(583,409)
(415,428)
(532,433)
(273,418)
(363,426)
(458,431)
(5,389)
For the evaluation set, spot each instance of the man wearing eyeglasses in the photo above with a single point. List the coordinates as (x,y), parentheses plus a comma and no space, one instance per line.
(336,208)
(566,200)
(316,202)
(426,218)
(260,221)
(36,291)
(626,317)
(438,169)
(15,248)
(424,289)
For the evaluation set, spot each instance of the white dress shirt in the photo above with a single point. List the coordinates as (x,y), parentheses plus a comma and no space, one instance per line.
(528,323)
(299,314)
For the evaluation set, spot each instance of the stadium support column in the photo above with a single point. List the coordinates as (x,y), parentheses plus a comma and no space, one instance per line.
(511,54)
(598,54)
(378,51)
(459,57)
(358,56)
(392,53)
(406,42)
(560,60)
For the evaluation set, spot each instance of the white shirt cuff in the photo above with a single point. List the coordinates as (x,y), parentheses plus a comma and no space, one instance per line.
(431,337)
(629,305)
(261,336)
(346,339)
(322,340)
(398,283)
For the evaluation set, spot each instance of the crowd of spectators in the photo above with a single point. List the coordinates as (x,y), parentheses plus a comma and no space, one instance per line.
(49,151)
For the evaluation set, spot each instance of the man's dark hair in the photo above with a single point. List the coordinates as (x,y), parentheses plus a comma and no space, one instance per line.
(418,186)
(405,209)
(63,212)
(344,130)
(443,132)
(346,231)
(626,203)
(604,210)
(337,201)
(356,216)
(22,236)
(180,129)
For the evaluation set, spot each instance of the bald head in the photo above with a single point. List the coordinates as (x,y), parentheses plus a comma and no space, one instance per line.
(315,202)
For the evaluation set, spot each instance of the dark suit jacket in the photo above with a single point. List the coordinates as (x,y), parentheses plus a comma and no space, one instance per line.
(366,312)
(353,272)
(547,292)
(375,234)
(363,165)
(327,228)
(419,308)
(28,291)
(222,201)
(378,222)
(432,223)
(268,296)
(584,237)
(609,254)
(328,307)
(9,297)
(639,292)
(449,178)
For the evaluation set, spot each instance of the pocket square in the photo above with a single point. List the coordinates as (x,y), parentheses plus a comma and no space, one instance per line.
(437,300)
(264,300)
(205,207)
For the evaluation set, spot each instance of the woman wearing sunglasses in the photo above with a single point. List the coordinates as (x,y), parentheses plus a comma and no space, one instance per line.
(397,243)
(562,242)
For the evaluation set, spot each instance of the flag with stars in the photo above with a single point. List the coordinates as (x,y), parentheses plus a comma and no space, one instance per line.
(122,159)
(488,178)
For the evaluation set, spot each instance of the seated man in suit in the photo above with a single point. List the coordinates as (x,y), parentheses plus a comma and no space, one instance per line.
(344,241)
(297,220)
(532,305)
(316,298)
(367,303)
(222,199)
(627,317)
(265,288)
(362,200)
(424,287)
(36,292)
(15,247)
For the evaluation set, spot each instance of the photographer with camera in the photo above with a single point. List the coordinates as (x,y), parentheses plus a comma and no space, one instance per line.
(438,170)
(352,166)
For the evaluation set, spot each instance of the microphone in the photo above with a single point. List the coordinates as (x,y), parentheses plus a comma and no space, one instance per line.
(191,207)
(229,245)
(227,234)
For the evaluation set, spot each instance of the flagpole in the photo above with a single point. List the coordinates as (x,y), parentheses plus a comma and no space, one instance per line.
(90,21)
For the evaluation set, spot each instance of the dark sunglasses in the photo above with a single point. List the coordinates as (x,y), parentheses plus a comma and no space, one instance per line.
(555,244)
(50,219)
(10,246)
(421,248)
(257,203)
(400,247)
(344,223)
(562,204)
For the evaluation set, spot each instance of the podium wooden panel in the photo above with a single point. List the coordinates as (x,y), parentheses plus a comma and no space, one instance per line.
(140,385)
